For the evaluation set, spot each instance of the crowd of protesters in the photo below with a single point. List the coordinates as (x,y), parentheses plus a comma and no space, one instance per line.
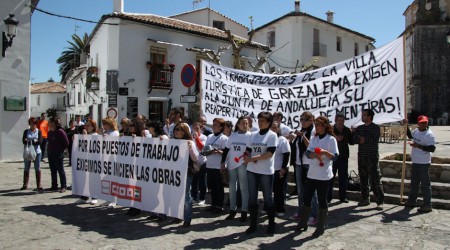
(248,159)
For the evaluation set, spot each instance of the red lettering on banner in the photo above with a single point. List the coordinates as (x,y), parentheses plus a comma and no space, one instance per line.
(127,192)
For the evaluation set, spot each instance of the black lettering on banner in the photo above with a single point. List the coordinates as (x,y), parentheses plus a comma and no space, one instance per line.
(82,145)
(166,176)
(135,147)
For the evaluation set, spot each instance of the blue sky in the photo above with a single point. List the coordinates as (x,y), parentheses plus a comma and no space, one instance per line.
(380,19)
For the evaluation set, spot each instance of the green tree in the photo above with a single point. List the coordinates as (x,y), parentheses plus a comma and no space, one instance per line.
(70,58)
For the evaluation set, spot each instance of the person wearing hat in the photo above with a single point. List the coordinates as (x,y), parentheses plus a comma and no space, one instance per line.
(423,144)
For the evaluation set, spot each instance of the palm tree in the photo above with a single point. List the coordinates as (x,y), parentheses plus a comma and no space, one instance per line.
(70,58)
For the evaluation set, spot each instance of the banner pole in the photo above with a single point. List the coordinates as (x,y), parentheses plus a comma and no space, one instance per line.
(405,125)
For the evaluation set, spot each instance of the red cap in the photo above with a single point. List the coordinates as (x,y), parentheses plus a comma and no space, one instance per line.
(422,118)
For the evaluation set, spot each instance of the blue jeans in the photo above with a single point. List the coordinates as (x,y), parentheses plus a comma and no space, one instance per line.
(420,175)
(279,191)
(265,182)
(188,200)
(56,162)
(301,173)
(37,164)
(239,173)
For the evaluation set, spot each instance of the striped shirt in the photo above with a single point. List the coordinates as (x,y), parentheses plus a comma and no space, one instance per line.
(371,133)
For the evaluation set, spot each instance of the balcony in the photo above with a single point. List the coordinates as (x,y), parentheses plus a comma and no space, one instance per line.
(319,49)
(92,83)
(161,77)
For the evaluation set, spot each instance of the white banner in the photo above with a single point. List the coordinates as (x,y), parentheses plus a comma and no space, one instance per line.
(149,174)
(372,80)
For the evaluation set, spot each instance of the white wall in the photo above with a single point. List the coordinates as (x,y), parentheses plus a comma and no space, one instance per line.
(47,100)
(14,80)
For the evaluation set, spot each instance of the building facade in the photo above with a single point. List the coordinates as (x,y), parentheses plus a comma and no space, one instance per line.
(427,52)
(139,60)
(47,95)
(298,39)
(14,80)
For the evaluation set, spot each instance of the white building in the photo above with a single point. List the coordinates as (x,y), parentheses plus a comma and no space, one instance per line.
(296,38)
(139,58)
(212,18)
(81,97)
(14,80)
(47,95)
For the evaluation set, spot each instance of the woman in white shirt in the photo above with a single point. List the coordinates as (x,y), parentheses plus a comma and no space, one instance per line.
(232,159)
(260,170)
(215,143)
(322,151)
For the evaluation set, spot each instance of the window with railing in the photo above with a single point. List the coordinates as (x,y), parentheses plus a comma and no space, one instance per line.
(161,73)
(356,49)
(319,49)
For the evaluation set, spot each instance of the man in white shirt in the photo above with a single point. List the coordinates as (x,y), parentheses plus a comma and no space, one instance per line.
(423,145)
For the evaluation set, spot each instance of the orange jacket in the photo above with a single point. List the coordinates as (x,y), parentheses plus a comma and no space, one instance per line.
(43,127)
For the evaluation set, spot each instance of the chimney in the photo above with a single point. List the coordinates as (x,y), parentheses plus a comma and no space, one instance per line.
(118,6)
(297,6)
(330,16)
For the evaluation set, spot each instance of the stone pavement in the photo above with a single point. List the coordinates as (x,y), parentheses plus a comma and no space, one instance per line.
(51,221)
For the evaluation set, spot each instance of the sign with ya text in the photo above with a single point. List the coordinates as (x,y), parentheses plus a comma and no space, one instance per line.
(373,80)
(145,173)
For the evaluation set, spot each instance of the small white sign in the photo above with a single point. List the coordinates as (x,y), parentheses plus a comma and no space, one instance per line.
(188,98)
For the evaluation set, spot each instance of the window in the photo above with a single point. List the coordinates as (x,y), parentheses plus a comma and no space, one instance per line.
(356,49)
(271,38)
(160,71)
(79,97)
(339,44)
(219,24)
(38,101)
(155,111)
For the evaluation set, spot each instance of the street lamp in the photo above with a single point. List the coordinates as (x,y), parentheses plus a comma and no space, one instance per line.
(11,26)
(448,36)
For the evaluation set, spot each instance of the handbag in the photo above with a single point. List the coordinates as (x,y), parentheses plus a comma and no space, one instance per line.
(29,153)
(354,183)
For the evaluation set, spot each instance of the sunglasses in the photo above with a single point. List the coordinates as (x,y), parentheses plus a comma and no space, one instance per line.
(177,129)
(304,120)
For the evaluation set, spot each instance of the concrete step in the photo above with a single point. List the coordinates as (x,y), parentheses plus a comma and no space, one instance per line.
(438,190)
(393,199)
(393,169)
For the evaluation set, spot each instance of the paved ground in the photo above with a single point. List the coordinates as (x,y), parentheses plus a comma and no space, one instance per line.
(51,221)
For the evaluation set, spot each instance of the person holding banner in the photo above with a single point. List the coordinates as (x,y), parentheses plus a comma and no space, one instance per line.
(214,146)
(322,150)
(367,137)
(423,145)
(90,128)
(282,155)
(110,128)
(57,143)
(237,170)
(181,131)
(260,170)
(301,161)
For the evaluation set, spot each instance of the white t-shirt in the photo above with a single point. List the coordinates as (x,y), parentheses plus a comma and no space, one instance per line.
(111,133)
(324,172)
(147,133)
(254,129)
(80,123)
(259,144)
(283,147)
(237,143)
(425,138)
(306,160)
(285,130)
(217,142)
